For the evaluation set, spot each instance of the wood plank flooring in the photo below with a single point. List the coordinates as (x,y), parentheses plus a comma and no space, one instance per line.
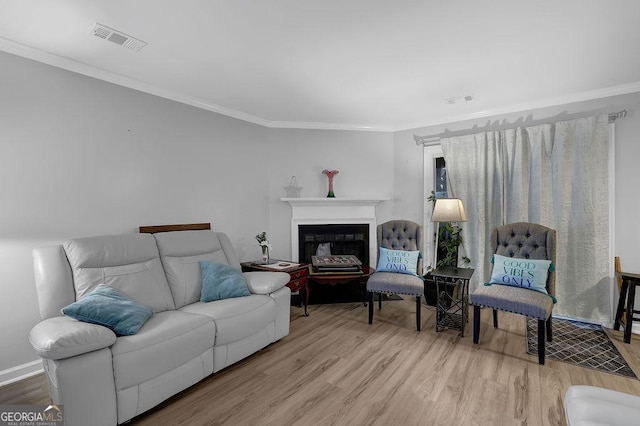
(335,369)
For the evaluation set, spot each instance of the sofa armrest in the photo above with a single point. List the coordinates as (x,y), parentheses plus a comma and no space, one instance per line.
(591,405)
(263,282)
(64,337)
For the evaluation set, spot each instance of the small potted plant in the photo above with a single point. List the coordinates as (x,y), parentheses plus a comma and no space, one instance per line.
(264,246)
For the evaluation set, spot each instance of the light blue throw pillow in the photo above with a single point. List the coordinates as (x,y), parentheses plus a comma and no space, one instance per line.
(220,281)
(110,308)
(526,273)
(400,261)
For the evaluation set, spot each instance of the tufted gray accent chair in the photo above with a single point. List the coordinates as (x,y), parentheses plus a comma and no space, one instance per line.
(398,235)
(522,241)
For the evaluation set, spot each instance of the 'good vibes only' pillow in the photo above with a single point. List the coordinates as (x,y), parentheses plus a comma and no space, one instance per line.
(400,261)
(526,273)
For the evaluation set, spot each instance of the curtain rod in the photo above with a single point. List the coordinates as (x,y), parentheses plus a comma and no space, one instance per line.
(435,139)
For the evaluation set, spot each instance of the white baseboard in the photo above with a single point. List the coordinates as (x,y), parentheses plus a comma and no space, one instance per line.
(20,372)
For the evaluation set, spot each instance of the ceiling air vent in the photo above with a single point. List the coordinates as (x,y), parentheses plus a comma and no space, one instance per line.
(459,99)
(117,37)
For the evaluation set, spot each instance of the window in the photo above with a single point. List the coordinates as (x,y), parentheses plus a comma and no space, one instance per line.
(440,178)
(435,179)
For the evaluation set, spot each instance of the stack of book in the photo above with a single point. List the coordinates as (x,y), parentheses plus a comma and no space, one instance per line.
(347,264)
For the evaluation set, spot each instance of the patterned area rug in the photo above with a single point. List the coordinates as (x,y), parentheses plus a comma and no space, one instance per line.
(579,343)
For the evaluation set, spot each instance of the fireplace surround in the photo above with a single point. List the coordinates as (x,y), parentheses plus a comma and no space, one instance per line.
(356,211)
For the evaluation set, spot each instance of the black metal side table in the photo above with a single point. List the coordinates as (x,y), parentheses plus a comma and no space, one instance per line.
(452,292)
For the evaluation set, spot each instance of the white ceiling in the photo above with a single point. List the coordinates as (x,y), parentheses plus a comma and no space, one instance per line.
(352,64)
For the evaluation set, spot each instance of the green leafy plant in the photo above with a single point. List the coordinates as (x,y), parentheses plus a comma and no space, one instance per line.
(449,242)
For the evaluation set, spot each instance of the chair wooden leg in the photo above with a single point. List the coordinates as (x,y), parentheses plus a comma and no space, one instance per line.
(621,302)
(541,339)
(495,318)
(379,300)
(370,307)
(549,330)
(629,319)
(476,323)
(418,309)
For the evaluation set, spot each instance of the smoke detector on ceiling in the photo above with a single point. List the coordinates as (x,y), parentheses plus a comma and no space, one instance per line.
(117,37)
(459,99)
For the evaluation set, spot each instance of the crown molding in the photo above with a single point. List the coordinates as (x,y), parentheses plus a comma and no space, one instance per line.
(329,126)
(623,89)
(18,49)
(38,55)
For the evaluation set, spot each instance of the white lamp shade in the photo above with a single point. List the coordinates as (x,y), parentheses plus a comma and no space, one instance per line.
(448,210)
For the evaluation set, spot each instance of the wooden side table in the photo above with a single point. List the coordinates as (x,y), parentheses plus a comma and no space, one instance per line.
(298,273)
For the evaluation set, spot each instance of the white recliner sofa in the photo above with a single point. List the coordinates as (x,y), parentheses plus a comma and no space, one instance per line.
(104,379)
(591,406)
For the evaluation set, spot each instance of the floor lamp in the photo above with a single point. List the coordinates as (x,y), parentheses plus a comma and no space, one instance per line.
(446,210)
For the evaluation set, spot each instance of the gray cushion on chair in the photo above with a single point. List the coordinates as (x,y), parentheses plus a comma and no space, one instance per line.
(513,299)
(389,282)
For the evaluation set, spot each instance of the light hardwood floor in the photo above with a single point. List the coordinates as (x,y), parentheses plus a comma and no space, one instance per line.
(334,368)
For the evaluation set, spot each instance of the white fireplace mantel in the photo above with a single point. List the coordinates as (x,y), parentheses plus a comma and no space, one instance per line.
(329,211)
(335,201)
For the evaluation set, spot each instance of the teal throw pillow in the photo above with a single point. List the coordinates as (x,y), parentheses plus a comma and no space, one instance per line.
(220,281)
(110,308)
(401,261)
(526,273)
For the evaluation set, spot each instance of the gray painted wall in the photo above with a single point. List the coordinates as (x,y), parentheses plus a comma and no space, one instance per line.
(82,157)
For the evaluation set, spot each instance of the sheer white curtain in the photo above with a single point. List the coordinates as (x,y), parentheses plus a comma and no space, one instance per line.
(474,167)
(553,174)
